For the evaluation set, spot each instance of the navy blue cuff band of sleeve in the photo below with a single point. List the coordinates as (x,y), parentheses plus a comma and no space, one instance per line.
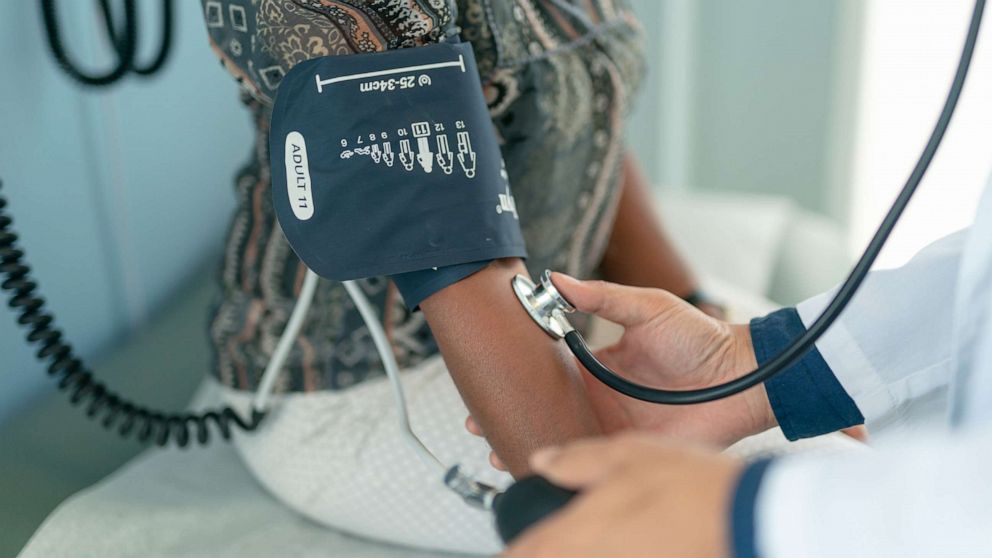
(807,398)
(415,286)
(742,524)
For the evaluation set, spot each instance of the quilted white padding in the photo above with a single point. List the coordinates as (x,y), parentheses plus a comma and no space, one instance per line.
(338,458)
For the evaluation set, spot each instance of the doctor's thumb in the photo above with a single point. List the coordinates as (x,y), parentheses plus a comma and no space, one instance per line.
(617,303)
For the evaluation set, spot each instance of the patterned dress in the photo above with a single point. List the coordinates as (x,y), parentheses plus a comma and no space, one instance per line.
(557,75)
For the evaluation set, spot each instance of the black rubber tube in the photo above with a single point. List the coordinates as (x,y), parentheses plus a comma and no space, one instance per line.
(795,351)
(165,44)
(130,420)
(123,43)
(122,36)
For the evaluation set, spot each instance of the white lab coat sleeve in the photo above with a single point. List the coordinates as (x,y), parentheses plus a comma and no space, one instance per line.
(929,498)
(893,343)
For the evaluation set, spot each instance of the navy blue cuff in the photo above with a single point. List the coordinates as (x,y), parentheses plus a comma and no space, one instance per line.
(743,541)
(807,398)
(415,286)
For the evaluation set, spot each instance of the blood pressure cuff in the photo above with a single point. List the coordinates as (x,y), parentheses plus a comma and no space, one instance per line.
(387,163)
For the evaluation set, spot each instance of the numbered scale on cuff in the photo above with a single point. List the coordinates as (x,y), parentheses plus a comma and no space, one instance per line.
(387,163)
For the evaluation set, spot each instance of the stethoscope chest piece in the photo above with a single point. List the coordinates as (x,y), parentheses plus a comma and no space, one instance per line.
(545,304)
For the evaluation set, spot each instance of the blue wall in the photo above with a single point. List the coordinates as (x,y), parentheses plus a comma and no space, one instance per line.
(119,197)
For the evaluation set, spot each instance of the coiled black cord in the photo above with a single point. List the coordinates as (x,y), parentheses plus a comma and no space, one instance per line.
(795,351)
(130,419)
(124,42)
(165,46)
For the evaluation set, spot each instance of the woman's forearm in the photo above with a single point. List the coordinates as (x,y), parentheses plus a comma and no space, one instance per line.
(639,252)
(521,386)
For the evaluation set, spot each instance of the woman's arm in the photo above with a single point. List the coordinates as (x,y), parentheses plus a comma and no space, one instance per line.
(639,252)
(522,387)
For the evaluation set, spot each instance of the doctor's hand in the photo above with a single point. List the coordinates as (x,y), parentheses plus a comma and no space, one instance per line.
(670,344)
(639,496)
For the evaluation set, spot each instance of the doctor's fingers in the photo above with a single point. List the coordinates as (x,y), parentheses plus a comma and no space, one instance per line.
(590,461)
(474,428)
(617,303)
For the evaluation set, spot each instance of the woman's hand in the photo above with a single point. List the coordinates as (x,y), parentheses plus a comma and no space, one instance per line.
(668,343)
(640,496)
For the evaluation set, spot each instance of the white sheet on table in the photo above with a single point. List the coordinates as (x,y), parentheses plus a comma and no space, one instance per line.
(189,503)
